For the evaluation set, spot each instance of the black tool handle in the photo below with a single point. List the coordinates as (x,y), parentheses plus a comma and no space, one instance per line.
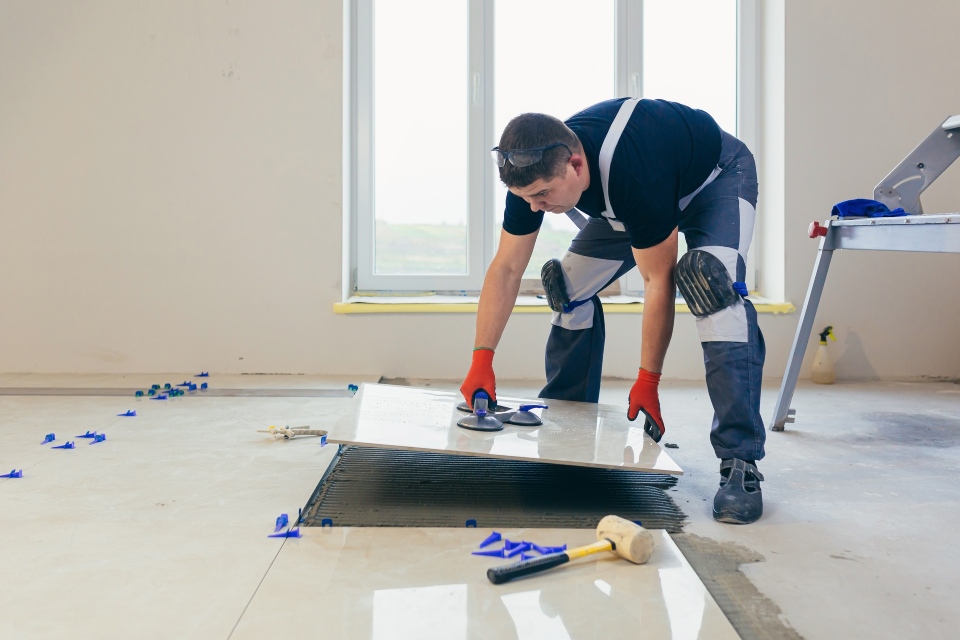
(499,575)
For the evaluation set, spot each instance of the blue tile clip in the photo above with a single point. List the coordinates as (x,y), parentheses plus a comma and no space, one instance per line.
(353,387)
(13,474)
(129,414)
(162,396)
(471,523)
(203,386)
(283,520)
(202,374)
(490,539)
(88,434)
(493,553)
(326,522)
(100,437)
(66,445)
(50,437)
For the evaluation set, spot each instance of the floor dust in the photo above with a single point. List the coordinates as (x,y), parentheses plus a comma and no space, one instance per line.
(916,429)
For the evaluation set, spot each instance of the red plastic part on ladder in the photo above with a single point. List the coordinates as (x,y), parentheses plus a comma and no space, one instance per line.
(815,230)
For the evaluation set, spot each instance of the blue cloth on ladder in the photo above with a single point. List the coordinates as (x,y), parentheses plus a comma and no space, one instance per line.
(863,208)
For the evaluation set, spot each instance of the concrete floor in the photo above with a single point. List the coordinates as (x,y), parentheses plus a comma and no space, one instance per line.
(856,541)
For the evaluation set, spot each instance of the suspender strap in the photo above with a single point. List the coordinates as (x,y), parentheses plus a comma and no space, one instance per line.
(577,218)
(606,157)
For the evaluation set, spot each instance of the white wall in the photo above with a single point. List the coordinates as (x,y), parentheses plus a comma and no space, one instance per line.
(170,193)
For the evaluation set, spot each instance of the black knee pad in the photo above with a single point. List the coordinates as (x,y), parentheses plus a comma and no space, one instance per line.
(554,286)
(704,283)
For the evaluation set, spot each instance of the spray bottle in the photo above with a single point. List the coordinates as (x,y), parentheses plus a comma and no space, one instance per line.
(822,364)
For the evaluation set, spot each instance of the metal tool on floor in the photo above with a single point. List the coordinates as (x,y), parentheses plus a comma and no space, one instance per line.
(626,539)
(287,433)
(481,419)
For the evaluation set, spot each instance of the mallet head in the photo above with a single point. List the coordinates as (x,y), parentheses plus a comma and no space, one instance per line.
(630,540)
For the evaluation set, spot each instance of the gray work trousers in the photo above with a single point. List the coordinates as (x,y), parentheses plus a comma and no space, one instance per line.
(719,219)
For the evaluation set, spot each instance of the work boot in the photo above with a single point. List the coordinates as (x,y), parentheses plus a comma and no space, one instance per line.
(738,501)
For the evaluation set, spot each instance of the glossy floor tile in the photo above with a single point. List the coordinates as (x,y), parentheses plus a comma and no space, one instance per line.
(84,579)
(382,583)
(161,530)
(573,433)
(191,460)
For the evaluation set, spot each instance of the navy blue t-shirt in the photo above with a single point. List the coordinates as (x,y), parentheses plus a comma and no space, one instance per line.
(666,151)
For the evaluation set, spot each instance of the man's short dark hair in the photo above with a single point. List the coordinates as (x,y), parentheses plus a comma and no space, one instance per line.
(530,131)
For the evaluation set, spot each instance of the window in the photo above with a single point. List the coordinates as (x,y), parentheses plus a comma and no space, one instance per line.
(428,98)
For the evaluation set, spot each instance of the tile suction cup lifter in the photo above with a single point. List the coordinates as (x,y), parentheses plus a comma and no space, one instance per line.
(480,419)
(497,408)
(525,417)
(626,539)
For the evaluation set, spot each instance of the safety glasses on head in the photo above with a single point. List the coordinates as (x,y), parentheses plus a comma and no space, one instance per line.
(524,157)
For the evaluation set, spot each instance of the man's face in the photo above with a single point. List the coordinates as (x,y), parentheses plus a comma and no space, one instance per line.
(554,196)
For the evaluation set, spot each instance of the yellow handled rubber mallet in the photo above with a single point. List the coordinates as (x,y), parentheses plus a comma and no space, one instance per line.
(626,539)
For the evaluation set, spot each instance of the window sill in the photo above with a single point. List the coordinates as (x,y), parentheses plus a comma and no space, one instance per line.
(525,304)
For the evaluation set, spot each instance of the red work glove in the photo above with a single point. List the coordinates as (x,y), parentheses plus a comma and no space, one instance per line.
(644,397)
(479,377)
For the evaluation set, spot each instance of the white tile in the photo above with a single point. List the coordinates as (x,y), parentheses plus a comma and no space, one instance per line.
(134,581)
(161,530)
(573,433)
(373,583)
(190,461)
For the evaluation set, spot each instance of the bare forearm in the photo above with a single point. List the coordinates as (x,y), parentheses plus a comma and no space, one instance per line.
(497,298)
(659,299)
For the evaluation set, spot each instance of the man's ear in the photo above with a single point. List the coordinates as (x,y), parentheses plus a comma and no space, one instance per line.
(577,162)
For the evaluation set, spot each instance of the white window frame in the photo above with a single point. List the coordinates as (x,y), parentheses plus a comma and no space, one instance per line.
(630,83)
(358,87)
